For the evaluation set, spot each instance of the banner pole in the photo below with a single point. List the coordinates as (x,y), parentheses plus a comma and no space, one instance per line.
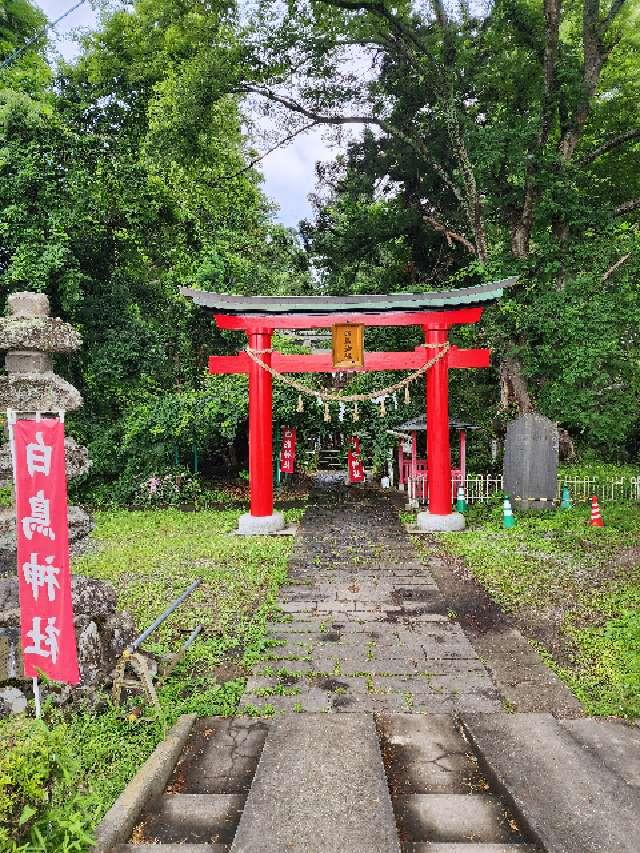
(36,695)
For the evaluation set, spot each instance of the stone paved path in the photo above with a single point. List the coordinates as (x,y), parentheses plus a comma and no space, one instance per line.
(368,629)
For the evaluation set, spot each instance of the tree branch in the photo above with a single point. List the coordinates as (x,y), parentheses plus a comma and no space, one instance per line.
(615,142)
(628,206)
(615,267)
(522,230)
(255,160)
(318,118)
(387,127)
(595,54)
(379,9)
(614,11)
(449,235)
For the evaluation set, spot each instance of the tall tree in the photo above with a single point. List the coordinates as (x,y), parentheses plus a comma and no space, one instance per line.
(123,178)
(510,136)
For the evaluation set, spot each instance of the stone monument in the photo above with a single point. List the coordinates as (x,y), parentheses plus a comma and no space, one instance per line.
(531,462)
(30,337)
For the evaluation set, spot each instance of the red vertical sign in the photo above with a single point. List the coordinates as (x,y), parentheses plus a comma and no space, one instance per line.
(354,462)
(42,534)
(288,451)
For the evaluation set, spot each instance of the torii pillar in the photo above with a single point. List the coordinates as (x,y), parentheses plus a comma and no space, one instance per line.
(261,518)
(439,515)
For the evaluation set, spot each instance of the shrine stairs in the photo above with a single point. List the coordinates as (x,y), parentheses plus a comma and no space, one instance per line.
(390,734)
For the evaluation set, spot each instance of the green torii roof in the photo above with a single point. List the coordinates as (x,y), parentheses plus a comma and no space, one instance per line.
(439,300)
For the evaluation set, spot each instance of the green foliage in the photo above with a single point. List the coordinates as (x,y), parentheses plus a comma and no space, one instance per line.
(65,774)
(518,177)
(121,180)
(173,488)
(553,563)
(593,467)
(35,760)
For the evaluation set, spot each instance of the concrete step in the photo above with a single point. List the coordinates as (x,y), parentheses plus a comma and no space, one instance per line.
(220,757)
(173,848)
(319,788)
(615,744)
(193,818)
(454,818)
(445,847)
(426,755)
(569,800)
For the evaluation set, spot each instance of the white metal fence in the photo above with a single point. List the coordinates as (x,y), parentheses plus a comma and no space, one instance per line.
(481,487)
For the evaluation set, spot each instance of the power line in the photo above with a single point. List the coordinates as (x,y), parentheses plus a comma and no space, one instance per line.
(17,53)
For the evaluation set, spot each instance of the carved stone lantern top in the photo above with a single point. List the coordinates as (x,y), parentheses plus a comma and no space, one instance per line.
(29,326)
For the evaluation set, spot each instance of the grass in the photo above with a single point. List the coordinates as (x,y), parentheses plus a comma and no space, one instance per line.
(601,470)
(573,588)
(61,793)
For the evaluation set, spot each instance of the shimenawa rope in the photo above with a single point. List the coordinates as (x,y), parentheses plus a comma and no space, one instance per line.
(327,396)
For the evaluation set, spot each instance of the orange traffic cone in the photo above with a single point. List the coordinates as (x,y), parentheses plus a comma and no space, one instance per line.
(596,518)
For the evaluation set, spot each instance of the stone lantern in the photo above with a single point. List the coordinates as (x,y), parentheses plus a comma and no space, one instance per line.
(30,336)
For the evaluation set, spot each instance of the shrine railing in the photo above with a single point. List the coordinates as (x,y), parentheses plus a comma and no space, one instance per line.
(480,488)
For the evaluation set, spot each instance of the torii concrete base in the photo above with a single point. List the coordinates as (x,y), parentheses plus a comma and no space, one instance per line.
(432,523)
(260,525)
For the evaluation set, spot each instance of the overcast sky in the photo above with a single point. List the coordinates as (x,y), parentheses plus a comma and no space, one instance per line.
(288,173)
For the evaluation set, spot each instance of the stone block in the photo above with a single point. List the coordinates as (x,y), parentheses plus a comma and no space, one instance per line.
(455,817)
(44,334)
(38,392)
(320,785)
(432,523)
(222,756)
(567,797)
(260,525)
(12,701)
(615,743)
(194,818)
(28,361)
(429,752)
(27,303)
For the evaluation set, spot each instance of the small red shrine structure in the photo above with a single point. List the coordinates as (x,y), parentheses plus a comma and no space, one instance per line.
(410,464)
(435,313)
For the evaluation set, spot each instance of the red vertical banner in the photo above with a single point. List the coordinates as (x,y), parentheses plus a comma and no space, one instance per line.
(42,534)
(288,451)
(354,461)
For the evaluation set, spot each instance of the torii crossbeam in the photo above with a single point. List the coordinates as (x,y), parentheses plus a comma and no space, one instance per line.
(435,312)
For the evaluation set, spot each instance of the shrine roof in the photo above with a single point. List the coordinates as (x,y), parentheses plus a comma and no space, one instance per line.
(224,303)
(419,424)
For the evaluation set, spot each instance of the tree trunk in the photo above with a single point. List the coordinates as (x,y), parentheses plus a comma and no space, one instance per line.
(513,386)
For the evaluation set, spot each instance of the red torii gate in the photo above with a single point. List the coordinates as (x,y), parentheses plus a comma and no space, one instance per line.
(258,316)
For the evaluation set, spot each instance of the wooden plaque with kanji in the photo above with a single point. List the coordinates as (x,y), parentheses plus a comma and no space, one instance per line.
(347,345)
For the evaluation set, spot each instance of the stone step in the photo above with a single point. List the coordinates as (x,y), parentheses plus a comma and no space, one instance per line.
(616,744)
(446,847)
(454,818)
(567,797)
(220,757)
(193,818)
(173,848)
(319,788)
(426,754)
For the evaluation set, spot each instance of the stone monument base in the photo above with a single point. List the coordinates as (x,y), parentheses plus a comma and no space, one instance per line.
(260,525)
(432,523)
